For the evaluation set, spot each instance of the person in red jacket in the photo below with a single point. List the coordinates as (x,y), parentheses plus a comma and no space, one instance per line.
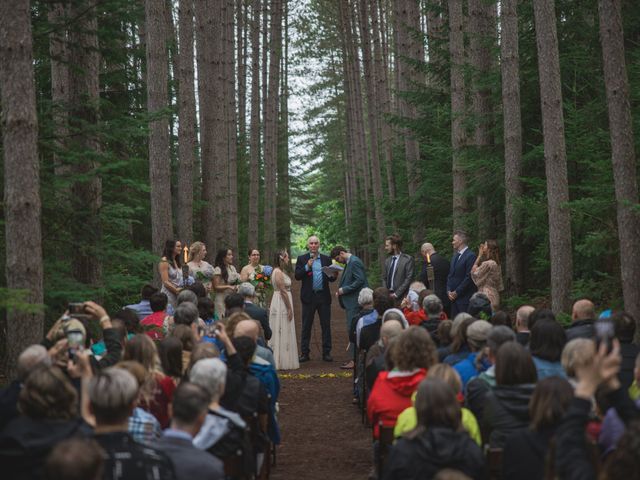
(413,352)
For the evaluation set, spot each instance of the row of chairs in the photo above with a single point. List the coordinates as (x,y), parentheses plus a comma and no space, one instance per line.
(256,428)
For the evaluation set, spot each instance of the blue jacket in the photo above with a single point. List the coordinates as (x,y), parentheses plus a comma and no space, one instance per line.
(467,368)
(269,378)
(459,279)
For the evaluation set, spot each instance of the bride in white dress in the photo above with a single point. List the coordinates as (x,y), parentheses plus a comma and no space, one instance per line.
(284,341)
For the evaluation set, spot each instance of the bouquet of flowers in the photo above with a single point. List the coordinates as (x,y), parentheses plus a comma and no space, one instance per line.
(260,278)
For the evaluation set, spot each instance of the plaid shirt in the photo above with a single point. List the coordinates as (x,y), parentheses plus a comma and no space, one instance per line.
(144,427)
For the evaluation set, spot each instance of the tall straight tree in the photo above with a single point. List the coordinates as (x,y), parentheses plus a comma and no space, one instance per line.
(512,132)
(623,154)
(187,123)
(23,235)
(231,117)
(283,215)
(458,108)
(254,162)
(58,52)
(84,100)
(555,155)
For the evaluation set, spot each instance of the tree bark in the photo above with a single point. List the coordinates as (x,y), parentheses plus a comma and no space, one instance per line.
(510,70)
(458,108)
(22,208)
(555,155)
(623,155)
(186,126)
(254,165)
(283,214)
(231,213)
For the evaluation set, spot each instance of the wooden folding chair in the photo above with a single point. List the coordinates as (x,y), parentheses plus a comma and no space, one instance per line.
(494,463)
(385,442)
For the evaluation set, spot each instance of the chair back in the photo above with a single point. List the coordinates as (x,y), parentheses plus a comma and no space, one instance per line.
(385,440)
(494,463)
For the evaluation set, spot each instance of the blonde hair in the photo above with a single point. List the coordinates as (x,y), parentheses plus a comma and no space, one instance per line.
(577,353)
(448,374)
(195,249)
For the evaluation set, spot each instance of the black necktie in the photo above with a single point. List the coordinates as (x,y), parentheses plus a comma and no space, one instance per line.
(455,261)
(390,273)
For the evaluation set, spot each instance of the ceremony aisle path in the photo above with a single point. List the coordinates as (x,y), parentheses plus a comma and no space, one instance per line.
(322,435)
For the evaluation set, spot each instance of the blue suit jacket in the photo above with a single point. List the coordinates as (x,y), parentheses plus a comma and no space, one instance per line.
(353,279)
(459,279)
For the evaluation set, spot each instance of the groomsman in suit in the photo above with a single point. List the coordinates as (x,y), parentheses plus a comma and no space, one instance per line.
(353,279)
(440,273)
(398,268)
(315,297)
(460,287)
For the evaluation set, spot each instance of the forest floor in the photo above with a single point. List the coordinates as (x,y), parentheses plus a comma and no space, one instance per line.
(323,437)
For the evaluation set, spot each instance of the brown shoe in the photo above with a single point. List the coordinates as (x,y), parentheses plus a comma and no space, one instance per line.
(347,365)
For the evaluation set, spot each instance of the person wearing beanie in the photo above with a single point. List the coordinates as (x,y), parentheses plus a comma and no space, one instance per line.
(476,339)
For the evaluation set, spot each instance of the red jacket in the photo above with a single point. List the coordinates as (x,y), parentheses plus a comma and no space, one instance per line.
(391,395)
(414,317)
(152,325)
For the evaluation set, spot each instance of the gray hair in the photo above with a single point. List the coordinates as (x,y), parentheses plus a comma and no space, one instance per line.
(32,357)
(395,314)
(498,335)
(187,296)
(432,305)
(111,394)
(210,374)
(461,317)
(185,314)
(365,297)
(427,247)
(246,289)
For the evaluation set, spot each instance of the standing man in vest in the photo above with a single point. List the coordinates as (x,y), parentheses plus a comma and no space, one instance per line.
(398,268)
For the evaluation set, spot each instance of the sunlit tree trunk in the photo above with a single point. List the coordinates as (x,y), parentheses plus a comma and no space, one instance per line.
(254,165)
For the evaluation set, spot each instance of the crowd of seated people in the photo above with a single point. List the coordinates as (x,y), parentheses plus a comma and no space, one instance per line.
(487,397)
(157,398)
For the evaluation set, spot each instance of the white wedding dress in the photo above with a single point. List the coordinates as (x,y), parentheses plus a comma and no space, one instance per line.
(283,340)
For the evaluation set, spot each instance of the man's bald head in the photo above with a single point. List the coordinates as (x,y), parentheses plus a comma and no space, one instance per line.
(313,242)
(247,328)
(522,317)
(427,248)
(583,310)
(389,330)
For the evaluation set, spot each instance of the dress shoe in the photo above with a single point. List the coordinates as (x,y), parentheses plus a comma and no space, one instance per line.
(303,358)
(327,358)
(347,365)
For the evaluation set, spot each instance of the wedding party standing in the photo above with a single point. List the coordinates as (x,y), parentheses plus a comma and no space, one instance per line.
(225,279)
(170,269)
(249,273)
(460,287)
(250,268)
(200,269)
(398,268)
(315,296)
(486,273)
(283,329)
(440,267)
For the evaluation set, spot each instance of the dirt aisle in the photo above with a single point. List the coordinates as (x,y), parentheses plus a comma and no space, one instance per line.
(322,435)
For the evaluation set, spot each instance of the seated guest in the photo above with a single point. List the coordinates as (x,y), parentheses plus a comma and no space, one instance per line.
(189,407)
(126,323)
(233,303)
(475,363)
(154,324)
(480,306)
(583,315)
(187,296)
(170,353)
(433,308)
(411,305)
(143,426)
(522,324)
(413,353)
(367,335)
(444,337)
(576,353)
(540,314)
(625,329)
(478,387)
(395,314)
(548,338)
(198,288)
(366,315)
(187,338)
(200,352)
(526,453)
(158,389)
(459,347)
(408,420)
(143,308)
(375,360)
(251,329)
(500,318)
(438,442)
(112,397)
(75,459)
(507,405)
(48,404)
(32,357)
(253,399)
(248,291)
(206,310)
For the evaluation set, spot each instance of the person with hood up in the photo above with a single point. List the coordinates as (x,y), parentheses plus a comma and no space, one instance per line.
(474,363)
(507,406)
(413,353)
(438,442)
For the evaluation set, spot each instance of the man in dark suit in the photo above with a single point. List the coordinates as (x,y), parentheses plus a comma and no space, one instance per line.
(315,296)
(460,287)
(440,273)
(352,280)
(248,291)
(190,406)
(398,268)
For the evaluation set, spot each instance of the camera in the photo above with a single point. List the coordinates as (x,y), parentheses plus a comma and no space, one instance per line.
(605,333)
(77,310)
(75,342)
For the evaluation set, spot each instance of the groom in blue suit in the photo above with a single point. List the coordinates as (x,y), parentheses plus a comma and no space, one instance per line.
(460,287)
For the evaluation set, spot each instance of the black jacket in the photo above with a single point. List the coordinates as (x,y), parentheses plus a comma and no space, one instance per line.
(525,454)
(431,451)
(629,352)
(306,292)
(581,329)
(475,397)
(440,273)
(190,463)
(506,410)
(260,314)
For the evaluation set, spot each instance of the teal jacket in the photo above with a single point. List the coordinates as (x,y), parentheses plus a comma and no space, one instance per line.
(354,279)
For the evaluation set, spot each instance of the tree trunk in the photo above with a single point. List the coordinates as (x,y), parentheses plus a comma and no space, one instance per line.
(23,236)
(458,134)
(512,143)
(186,126)
(231,214)
(159,159)
(623,154)
(219,132)
(84,98)
(254,166)
(283,215)
(555,155)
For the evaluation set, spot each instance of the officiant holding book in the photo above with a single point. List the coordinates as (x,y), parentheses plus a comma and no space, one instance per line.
(353,279)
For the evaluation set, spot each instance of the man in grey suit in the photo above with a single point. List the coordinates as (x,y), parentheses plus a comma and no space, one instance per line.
(190,406)
(353,279)
(398,268)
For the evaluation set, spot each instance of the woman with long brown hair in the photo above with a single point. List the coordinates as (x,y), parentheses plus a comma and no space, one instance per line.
(486,273)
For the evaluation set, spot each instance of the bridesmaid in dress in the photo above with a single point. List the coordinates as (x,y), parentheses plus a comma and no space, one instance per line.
(254,262)
(225,278)
(486,273)
(200,269)
(170,269)
(284,340)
